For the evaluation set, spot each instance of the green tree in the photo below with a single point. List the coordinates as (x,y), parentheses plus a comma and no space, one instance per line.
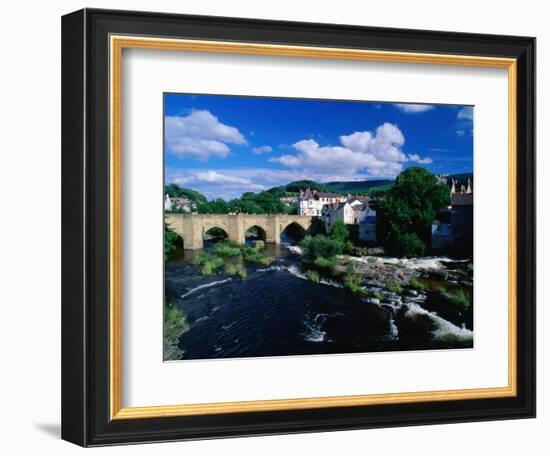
(339,231)
(170,241)
(175,191)
(407,211)
(320,246)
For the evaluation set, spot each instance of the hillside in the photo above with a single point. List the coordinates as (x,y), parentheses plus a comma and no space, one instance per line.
(359,186)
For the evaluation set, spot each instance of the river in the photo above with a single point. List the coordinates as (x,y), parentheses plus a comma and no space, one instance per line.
(276,311)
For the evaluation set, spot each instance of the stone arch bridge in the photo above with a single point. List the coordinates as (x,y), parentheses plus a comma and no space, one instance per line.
(192,227)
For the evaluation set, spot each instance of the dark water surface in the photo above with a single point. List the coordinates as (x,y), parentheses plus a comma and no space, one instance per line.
(274,311)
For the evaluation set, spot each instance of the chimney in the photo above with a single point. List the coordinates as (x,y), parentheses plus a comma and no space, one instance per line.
(469,189)
(453,187)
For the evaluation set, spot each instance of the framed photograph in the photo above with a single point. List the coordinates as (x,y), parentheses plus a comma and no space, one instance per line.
(279,227)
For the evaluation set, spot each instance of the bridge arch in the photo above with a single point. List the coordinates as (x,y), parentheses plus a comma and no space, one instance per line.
(294,229)
(214,231)
(257,230)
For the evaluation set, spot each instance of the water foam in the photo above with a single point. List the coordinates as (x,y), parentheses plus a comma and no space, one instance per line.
(205,285)
(393,333)
(313,324)
(294,249)
(427,263)
(444,330)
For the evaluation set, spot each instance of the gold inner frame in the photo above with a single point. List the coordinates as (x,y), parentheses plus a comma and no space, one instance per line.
(117,44)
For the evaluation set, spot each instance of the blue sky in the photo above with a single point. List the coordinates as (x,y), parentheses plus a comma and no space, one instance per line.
(223,145)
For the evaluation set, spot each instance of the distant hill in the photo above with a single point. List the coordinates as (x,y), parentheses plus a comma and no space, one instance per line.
(337,187)
(359,186)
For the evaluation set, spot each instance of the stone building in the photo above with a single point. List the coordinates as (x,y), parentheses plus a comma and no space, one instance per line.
(462,219)
(367,226)
(442,235)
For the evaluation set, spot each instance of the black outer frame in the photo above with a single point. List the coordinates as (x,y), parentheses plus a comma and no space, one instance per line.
(85,227)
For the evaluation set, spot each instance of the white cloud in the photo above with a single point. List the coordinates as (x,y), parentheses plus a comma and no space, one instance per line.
(376,154)
(416,158)
(262,149)
(465,113)
(414,108)
(214,177)
(199,135)
(460,133)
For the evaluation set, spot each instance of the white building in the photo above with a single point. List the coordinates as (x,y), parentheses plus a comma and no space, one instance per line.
(311,202)
(182,204)
(338,211)
(167,203)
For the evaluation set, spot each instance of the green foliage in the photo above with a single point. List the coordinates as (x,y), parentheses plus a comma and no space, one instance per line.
(353,283)
(350,268)
(349,248)
(259,245)
(328,264)
(255,255)
(313,276)
(358,187)
(175,323)
(228,248)
(320,246)
(170,240)
(210,266)
(377,294)
(217,206)
(459,299)
(339,231)
(296,186)
(235,269)
(417,284)
(407,211)
(175,191)
(394,287)
(208,262)
(409,245)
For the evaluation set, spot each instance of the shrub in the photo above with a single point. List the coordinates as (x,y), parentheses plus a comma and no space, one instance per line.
(328,264)
(394,287)
(211,265)
(235,269)
(353,283)
(241,271)
(378,295)
(348,247)
(313,276)
(201,258)
(254,255)
(417,284)
(459,299)
(259,245)
(339,231)
(320,246)
(175,323)
(170,240)
(409,245)
(228,248)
